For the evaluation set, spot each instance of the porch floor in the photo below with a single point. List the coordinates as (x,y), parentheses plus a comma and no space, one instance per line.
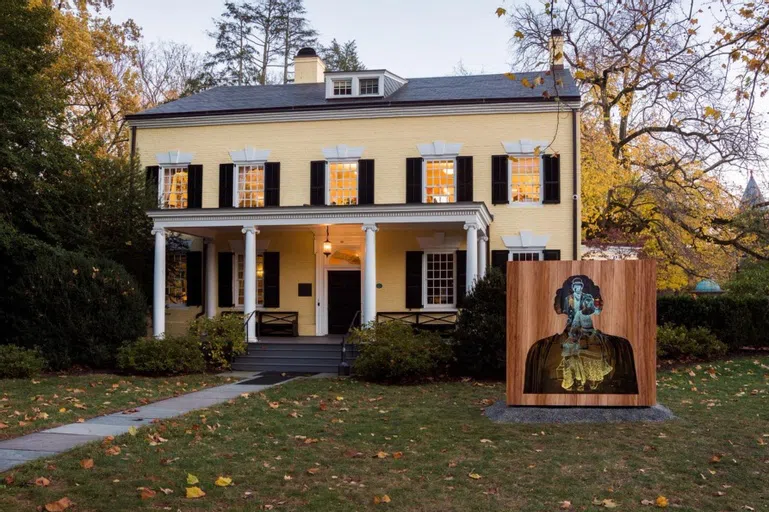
(331,339)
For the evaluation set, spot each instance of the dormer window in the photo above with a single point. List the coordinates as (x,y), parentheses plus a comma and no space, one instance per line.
(369,86)
(343,87)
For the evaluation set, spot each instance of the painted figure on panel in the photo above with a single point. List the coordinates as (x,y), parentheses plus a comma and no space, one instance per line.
(581,359)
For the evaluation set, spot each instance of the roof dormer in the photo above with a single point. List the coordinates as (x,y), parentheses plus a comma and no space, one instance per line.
(361,84)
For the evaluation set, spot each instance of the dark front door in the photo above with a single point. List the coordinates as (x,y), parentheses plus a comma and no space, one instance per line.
(343,300)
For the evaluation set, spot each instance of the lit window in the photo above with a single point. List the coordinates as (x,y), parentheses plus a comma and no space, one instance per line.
(524,256)
(250,188)
(343,87)
(369,86)
(259,279)
(343,183)
(174,187)
(176,278)
(525,183)
(439,273)
(439,181)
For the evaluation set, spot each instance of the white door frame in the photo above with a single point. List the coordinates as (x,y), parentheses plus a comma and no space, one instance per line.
(350,239)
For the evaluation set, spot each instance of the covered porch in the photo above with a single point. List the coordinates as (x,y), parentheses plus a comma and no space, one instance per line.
(305,274)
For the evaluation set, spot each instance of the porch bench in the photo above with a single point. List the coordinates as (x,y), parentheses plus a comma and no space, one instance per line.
(443,322)
(273,323)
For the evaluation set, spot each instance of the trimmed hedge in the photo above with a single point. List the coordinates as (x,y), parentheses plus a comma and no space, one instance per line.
(737,321)
(222,339)
(172,355)
(680,343)
(19,363)
(72,308)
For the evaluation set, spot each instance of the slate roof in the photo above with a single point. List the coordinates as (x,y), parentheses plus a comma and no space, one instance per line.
(424,91)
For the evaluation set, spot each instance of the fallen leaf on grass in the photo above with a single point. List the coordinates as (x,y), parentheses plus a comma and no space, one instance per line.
(58,506)
(382,499)
(166,491)
(223,481)
(565,505)
(397,455)
(606,503)
(287,477)
(274,405)
(381,455)
(86,463)
(3,425)
(313,471)
(146,493)
(715,458)
(661,502)
(353,454)
(132,430)
(192,479)
(474,476)
(195,492)
(42,482)
(112,450)
(487,441)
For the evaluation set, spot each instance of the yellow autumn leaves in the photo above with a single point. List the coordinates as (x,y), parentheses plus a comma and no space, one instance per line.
(194,491)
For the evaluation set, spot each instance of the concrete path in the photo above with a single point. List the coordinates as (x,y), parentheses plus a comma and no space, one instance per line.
(48,443)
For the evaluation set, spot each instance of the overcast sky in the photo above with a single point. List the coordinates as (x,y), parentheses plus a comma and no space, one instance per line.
(411,38)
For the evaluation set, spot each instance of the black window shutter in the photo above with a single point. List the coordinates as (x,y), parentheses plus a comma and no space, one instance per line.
(414,279)
(225,280)
(272,184)
(225,187)
(499,184)
(551,170)
(461,274)
(551,254)
(271,279)
(318,182)
(152,182)
(365,182)
(195,186)
(464,178)
(413,180)
(499,260)
(194,278)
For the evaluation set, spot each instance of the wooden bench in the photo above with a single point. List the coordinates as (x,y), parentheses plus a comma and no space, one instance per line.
(273,323)
(440,321)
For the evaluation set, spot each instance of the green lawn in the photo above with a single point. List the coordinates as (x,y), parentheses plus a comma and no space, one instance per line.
(29,405)
(313,445)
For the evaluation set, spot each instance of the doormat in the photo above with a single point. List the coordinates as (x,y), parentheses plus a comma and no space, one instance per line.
(274,378)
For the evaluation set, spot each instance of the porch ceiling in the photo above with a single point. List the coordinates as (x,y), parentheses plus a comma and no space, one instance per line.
(200,220)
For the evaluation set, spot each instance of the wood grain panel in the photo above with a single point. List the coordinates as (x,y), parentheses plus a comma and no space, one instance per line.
(628,290)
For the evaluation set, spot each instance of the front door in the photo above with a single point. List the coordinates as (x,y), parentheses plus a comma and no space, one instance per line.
(343,300)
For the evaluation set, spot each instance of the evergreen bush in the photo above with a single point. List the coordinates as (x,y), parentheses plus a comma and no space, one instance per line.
(172,355)
(19,363)
(681,343)
(222,339)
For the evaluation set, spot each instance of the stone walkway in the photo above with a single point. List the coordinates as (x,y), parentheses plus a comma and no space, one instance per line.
(48,443)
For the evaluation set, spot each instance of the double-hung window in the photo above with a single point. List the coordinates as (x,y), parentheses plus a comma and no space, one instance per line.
(240,282)
(343,87)
(176,278)
(440,279)
(174,186)
(249,186)
(368,86)
(440,181)
(342,183)
(525,178)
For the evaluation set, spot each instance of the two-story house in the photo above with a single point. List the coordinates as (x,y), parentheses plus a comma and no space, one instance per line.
(356,192)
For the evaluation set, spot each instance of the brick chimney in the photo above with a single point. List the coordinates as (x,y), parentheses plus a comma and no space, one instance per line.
(308,67)
(556,49)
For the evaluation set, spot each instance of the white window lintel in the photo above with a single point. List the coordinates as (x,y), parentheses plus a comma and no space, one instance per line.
(174,158)
(525,146)
(439,150)
(526,241)
(343,153)
(249,156)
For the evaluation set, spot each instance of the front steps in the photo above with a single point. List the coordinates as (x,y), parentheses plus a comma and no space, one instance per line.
(290,357)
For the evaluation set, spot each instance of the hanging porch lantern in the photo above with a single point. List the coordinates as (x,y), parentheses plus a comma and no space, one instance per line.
(327,245)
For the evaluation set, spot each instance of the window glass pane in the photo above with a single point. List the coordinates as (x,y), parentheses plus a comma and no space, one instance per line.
(259,279)
(369,86)
(439,181)
(174,187)
(250,186)
(525,256)
(440,279)
(343,183)
(342,87)
(176,278)
(524,179)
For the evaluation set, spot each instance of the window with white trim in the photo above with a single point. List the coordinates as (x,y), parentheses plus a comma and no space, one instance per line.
(525,256)
(176,278)
(173,183)
(342,183)
(343,87)
(240,282)
(525,178)
(440,283)
(439,180)
(249,186)
(368,86)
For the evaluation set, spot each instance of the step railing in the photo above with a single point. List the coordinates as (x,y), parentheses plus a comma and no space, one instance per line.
(245,326)
(344,366)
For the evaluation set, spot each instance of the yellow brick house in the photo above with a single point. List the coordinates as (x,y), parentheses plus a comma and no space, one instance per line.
(355,197)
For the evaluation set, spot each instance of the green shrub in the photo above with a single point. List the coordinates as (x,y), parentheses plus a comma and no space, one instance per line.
(172,355)
(681,343)
(737,321)
(75,309)
(392,352)
(19,363)
(221,339)
(480,335)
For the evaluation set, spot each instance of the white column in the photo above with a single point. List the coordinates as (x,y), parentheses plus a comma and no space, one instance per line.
(159,284)
(210,278)
(482,255)
(249,281)
(369,275)
(472,254)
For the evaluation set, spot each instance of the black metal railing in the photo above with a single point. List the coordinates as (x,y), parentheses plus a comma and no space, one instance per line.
(344,366)
(251,315)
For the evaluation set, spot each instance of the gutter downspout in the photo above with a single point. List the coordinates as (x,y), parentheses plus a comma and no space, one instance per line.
(575,184)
